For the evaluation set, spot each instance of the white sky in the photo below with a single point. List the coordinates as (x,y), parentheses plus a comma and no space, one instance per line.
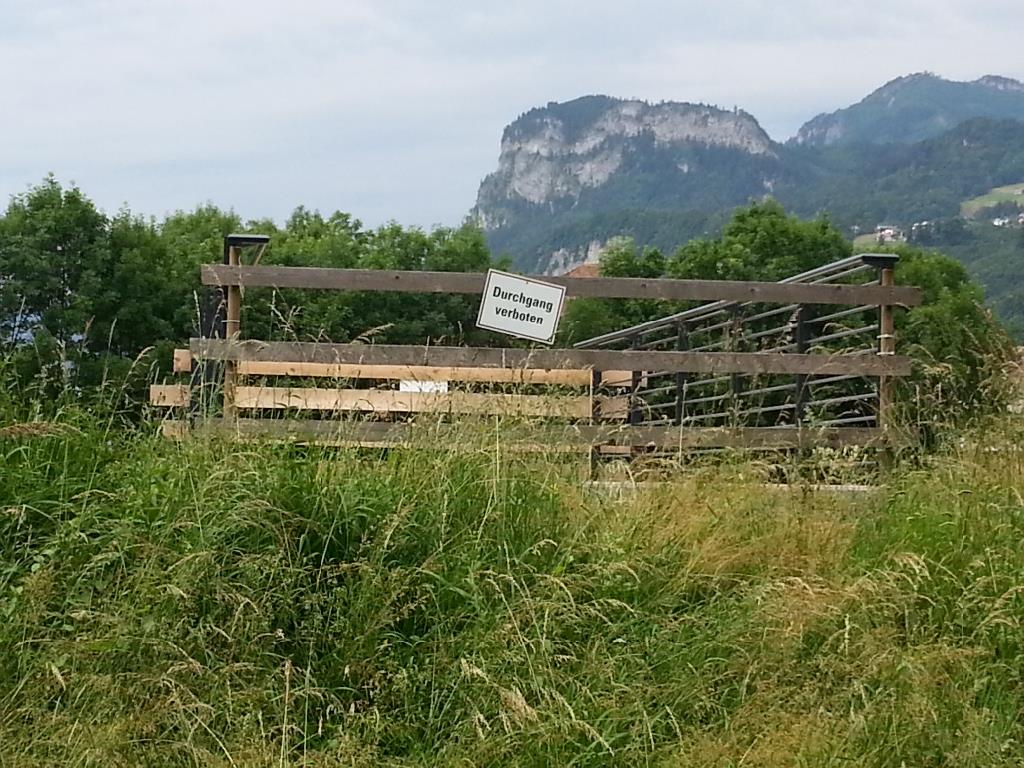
(393,109)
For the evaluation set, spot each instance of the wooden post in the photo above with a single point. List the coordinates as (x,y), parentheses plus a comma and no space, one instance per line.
(232,330)
(682,344)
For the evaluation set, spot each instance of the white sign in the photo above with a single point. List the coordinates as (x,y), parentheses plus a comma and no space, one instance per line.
(520,306)
(414,385)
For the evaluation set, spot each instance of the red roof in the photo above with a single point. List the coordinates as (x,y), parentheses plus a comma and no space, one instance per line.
(587,269)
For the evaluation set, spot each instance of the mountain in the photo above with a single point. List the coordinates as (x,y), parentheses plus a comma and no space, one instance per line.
(571,175)
(915,107)
(565,163)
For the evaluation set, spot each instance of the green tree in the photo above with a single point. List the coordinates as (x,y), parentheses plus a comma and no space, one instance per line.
(761,242)
(584,318)
(54,251)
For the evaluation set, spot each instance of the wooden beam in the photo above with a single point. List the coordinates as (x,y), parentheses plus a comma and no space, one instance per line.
(595,359)
(168,395)
(389,401)
(182,361)
(319,278)
(455,436)
(568,377)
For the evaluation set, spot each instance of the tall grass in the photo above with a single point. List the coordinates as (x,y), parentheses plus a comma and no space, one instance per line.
(225,604)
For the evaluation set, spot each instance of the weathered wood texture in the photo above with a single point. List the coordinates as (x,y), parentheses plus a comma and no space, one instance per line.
(390,401)
(168,395)
(318,278)
(557,437)
(566,377)
(384,401)
(182,362)
(552,359)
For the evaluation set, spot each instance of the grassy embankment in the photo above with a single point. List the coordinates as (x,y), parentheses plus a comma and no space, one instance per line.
(210,604)
(1011,193)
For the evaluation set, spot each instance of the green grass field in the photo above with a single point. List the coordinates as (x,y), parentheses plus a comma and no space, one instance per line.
(1012,193)
(865,242)
(222,604)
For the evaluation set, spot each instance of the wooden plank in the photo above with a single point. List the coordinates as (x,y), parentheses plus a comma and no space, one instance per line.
(572,378)
(182,361)
(564,377)
(319,278)
(390,401)
(599,359)
(168,395)
(452,436)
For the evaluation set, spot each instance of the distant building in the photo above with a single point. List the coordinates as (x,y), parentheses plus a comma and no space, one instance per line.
(889,233)
(586,269)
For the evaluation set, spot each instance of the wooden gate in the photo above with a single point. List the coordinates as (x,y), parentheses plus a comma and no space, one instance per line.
(636,389)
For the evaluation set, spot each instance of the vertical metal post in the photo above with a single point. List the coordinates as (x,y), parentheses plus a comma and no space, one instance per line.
(232,330)
(886,346)
(635,414)
(594,453)
(736,382)
(206,373)
(682,344)
(800,341)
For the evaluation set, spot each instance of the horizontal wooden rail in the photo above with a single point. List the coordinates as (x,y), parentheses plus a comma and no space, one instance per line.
(567,377)
(552,437)
(319,278)
(596,359)
(385,401)
(389,401)
(168,395)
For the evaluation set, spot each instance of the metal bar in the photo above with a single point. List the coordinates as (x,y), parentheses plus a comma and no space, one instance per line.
(801,379)
(682,343)
(634,402)
(886,348)
(847,420)
(841,334)
(813,382)
(842,399)
(708,399)
(832,271)
(840,315)
(841,275)
(692,383)
(770,332)
(769,390)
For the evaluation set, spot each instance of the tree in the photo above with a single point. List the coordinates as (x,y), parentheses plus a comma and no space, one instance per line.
(585,318)
(54,250)
(761,242)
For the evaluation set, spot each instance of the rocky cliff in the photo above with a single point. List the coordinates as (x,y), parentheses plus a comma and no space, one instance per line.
(599,153)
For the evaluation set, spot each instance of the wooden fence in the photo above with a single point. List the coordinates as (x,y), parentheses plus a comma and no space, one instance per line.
(596,396)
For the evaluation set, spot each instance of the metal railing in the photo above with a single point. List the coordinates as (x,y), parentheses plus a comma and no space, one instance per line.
(763,400)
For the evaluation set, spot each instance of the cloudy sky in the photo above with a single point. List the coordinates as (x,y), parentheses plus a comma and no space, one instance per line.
(393,109)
